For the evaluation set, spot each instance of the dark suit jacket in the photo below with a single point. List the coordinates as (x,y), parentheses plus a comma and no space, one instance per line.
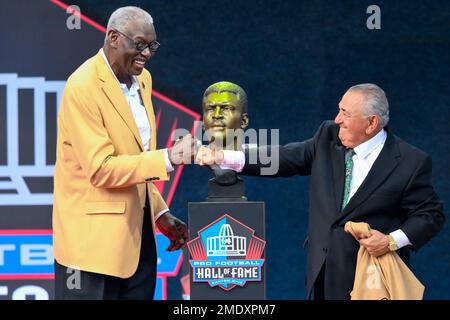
(397,193)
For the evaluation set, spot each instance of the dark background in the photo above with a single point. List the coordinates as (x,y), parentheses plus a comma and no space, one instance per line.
(295,59)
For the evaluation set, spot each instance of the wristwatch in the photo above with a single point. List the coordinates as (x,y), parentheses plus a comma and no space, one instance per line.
(392,244)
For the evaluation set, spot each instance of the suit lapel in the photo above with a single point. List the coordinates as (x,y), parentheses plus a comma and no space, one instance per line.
(337,160)
(381,169)
(115,95)
(146,98)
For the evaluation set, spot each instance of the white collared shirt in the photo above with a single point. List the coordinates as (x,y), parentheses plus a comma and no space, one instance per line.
(365,155)
(139,112)
(137,108)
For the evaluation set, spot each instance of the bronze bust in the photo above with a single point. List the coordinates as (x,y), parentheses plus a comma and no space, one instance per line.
(225,117)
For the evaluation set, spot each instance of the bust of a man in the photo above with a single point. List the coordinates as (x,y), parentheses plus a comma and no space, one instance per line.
(225,117)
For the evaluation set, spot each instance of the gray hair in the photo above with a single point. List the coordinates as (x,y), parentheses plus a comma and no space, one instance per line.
(122,16)
(376,102)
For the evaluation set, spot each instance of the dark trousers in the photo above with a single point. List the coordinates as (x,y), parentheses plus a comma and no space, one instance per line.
(95,286)
(319,285)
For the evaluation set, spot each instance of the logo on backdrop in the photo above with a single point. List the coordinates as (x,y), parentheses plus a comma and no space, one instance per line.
(26,254)
(227,254)
(14,189)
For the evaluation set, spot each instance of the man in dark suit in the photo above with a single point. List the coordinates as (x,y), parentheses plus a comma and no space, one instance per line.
(359,171)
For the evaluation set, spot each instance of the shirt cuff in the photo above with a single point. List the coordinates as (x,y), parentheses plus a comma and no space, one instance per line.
(169,167)
(234,160)
(159,215)
(400,238)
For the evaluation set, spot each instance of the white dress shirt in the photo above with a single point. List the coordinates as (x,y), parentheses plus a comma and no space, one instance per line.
(139,112)
(365,155)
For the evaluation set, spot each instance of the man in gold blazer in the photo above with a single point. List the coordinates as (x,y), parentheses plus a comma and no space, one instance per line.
(105,204)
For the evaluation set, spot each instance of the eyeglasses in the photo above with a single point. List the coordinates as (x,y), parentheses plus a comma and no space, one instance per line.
(140,45)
